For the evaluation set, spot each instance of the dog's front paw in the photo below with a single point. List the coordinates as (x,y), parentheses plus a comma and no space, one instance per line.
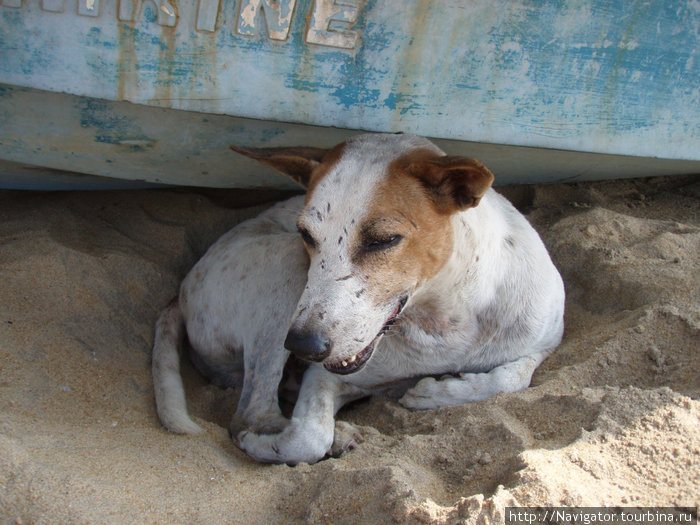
(346,437)
(293,445)
(424,396)
(261,447)
(267,423)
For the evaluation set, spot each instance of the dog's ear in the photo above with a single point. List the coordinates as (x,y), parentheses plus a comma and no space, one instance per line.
(454,183)
(295,162)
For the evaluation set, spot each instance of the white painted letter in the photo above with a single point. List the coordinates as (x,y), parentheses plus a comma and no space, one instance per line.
(88,7)
(327,11)
(278,16)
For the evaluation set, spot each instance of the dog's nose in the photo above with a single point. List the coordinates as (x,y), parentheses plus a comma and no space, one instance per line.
(308,345)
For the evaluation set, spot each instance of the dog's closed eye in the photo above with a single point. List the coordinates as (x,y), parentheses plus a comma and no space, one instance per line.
(306,237)
(374,243)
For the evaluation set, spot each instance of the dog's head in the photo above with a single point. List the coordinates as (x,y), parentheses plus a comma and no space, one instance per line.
(377,226)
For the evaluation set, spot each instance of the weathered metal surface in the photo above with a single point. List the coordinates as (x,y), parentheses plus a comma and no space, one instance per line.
(600,76)
(157,145)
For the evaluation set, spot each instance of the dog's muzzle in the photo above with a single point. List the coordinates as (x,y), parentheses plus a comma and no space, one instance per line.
(308,346)
(316,347)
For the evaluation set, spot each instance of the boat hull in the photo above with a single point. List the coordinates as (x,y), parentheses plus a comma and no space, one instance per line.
(610,78)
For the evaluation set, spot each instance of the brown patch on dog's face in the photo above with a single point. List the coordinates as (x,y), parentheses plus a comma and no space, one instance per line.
(404,239)
(407,237)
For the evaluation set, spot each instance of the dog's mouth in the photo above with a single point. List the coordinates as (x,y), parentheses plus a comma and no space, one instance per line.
(352,364)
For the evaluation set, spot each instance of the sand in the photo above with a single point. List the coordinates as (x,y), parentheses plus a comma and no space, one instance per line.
(611,417)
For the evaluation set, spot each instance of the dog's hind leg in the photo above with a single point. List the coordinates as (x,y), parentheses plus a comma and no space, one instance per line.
(167,382)
(509,377)
(310,433)
(345,437)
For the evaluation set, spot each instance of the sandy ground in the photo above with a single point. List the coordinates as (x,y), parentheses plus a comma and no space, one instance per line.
(610,419)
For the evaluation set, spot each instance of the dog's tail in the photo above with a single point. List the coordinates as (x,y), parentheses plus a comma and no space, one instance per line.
(167,382)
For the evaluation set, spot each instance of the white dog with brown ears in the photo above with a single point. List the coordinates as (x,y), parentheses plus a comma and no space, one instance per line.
(399,266)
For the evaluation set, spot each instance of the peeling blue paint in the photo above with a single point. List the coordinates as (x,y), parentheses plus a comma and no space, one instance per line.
(98,118)
(618,77)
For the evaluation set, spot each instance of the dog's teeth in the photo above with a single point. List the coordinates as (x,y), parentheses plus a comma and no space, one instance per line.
(344,363)
(352,359)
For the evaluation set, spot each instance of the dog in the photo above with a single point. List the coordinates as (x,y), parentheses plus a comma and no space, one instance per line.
(399,271)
